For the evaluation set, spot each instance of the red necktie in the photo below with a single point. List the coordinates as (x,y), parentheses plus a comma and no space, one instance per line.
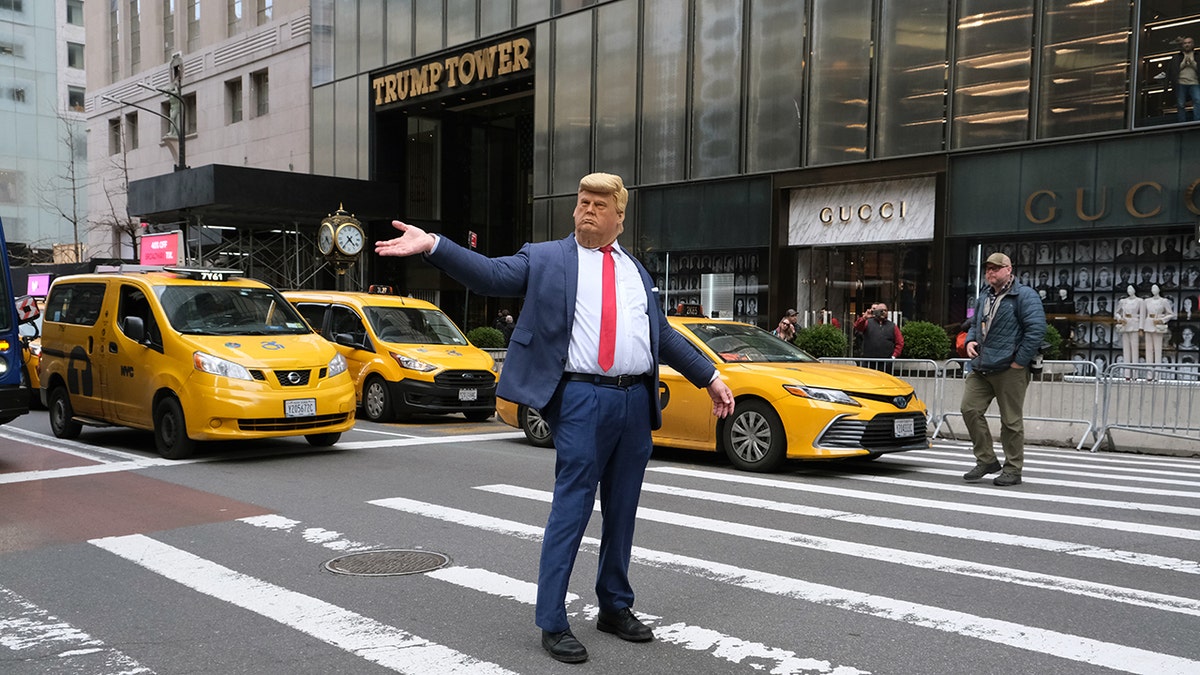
(608,310)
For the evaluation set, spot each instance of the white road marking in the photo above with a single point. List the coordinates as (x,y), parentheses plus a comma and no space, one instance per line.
(1002,538)
(1005,633)
(1042,468)
(408,442)
(871,552)
(692,638)
(330,539)
(1107,457)
(959,507)
(1162,466)
(1028,495)
(364,637)
(35,636)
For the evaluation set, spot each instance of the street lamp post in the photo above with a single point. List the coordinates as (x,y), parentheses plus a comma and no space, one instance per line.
(178,117)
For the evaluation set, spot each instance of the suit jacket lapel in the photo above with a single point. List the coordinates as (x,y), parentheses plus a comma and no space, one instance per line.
(570,279)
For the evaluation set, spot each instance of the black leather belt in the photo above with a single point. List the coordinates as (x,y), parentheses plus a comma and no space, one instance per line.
(623,381)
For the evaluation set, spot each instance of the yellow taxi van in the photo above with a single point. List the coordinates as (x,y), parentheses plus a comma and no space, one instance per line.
(405,355)
(191,354)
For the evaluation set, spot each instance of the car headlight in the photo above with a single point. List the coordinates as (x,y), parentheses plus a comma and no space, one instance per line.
(413,364)
(337,365)
(212,365)
(820,394)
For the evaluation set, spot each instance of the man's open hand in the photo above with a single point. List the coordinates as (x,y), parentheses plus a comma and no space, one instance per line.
(412,240)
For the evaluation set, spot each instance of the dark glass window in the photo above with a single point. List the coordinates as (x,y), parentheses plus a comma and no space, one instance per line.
(911,115)
(841,81)
(993,46)
(1085,67)
(774,88)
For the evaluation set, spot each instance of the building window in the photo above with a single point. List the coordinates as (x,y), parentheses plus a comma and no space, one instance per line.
(235,16)
(233,97)
(131,131)
(189,106)
(264,11)
(114,41)
(193,25)
(12,49)
(993,66)
(75,96)
(168,12)
(74,55)
(75,12)
(11,186)
(260,89)
(114,135)
(135,35)
(13,5)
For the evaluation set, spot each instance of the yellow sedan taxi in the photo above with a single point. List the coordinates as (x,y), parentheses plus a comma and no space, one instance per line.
(789,404)
(405,355)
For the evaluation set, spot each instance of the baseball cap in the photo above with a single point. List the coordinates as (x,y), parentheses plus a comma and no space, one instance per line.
(790,312)
(999,259)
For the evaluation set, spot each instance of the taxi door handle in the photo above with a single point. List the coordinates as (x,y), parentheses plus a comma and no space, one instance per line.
(112,348)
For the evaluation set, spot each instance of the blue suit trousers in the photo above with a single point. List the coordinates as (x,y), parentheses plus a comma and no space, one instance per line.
(602,438)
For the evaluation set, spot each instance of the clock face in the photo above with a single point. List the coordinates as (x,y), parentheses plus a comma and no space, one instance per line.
(350,239)
(325,238)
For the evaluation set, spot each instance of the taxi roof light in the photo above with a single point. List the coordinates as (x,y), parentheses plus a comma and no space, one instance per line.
(204,273)
(381,289)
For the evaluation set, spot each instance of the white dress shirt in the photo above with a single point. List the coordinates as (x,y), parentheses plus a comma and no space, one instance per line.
(632,355)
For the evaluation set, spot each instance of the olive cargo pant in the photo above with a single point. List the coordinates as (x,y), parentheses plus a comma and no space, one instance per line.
(1007,387)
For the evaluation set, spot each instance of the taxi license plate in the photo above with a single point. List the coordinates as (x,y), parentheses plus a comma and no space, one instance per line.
(468,394)
(903,427)
(300,407)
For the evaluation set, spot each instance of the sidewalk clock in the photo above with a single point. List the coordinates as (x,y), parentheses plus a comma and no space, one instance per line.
(340,240)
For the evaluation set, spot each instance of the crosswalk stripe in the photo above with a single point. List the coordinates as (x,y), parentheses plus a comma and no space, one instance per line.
(364,637)
(693,638)
(957,449)
(411,441)
(871,552)
(1049,468)
(1042,463)
(1027,495)
(36,636)
(961,507)
(1002,538)
(1006,633)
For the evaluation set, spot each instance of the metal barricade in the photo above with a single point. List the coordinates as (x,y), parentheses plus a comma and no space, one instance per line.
(924,375)
(1065,391)
(1162,399)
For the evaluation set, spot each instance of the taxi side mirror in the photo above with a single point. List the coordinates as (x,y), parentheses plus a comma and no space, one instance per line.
(352,341)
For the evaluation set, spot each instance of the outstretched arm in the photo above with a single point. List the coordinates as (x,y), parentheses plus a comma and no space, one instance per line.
(412,240)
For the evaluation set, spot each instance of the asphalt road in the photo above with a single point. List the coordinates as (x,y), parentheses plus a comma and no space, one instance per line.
(115,561)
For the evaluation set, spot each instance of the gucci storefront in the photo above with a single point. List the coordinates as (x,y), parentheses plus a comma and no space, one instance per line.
(1083,223)
(855,244)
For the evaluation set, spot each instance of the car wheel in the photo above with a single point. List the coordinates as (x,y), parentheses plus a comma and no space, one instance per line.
(377,401)
(536,428)
(323,440)
(61,414)
(753,437)
(170,430)
(479,415)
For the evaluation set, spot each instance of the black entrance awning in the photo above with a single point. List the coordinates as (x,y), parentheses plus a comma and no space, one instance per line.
(252,198)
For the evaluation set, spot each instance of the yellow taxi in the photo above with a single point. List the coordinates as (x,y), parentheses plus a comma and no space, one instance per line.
(405,355)
(789,404)
(192,354)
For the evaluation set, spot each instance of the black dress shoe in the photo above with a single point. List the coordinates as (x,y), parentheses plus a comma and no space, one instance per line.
(624,625)
(564,647)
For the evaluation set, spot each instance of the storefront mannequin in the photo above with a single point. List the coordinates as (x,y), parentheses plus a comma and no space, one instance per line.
(1131,311)
(1158,313)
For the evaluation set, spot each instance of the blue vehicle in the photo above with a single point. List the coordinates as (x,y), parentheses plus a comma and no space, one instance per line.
(14,398)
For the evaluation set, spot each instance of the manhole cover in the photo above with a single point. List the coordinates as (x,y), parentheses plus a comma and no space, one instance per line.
(393,562)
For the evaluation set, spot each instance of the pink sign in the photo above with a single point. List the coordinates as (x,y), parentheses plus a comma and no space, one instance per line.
(162,248)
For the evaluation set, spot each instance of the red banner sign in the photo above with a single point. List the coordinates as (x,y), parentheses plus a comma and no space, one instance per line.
(162,248)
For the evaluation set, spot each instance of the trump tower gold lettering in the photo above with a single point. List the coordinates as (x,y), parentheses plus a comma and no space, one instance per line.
(476,65)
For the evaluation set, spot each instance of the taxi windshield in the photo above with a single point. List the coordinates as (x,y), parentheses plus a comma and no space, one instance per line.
(413,326)
(229,310)
(739,343)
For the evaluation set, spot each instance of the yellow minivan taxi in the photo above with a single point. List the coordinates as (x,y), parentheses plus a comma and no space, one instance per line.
(193,355)
(405,355)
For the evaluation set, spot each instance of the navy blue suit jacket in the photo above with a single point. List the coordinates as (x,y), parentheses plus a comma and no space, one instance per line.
(546,273)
